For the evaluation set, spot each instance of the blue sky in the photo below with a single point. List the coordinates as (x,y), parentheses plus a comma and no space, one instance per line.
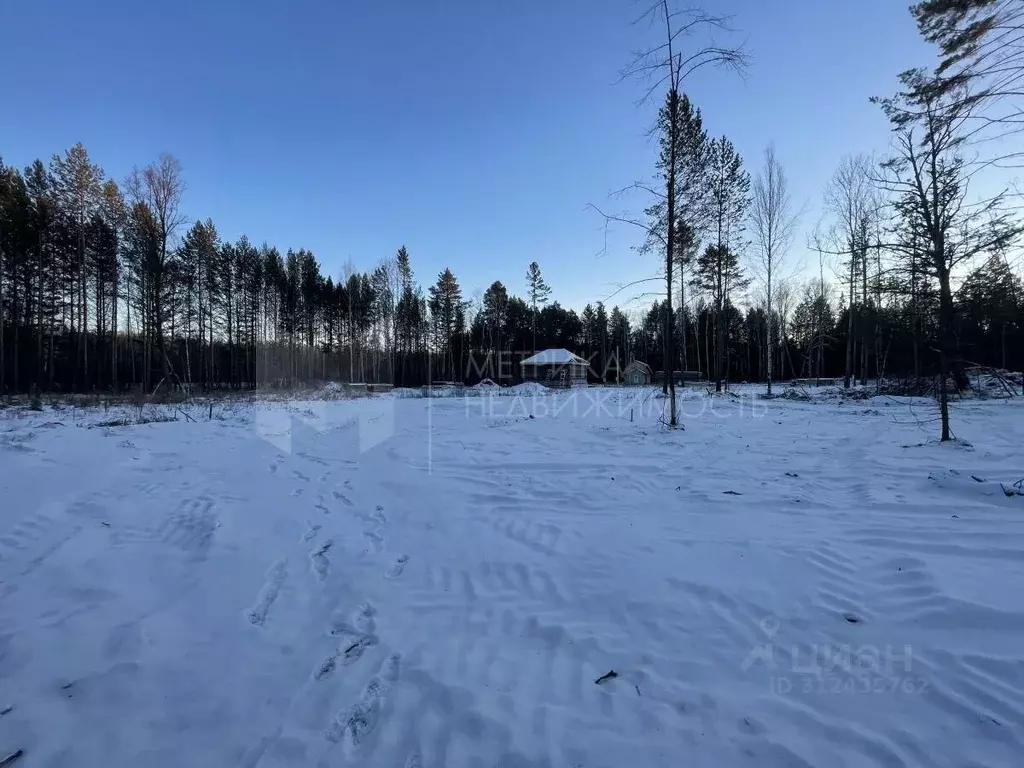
(474,132)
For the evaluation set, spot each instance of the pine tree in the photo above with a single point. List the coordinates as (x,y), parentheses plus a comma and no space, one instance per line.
(678,215)
(446,306)
(538,292)
(495,319)
(718,267)
(929,181)
(600,334)
(619,333)
(77,186)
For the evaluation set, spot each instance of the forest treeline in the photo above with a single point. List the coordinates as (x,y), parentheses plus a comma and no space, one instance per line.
(104,287)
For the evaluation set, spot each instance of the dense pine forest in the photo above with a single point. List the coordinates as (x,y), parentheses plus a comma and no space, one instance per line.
(106,287)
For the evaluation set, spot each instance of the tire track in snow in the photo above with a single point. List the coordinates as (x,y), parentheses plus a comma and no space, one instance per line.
(33,540)
(189,528)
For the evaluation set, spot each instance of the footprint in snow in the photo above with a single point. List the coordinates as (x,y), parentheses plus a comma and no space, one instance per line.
(268,594)
(349,651)
(319,560)
(360,623)
(397,567)
(342,498)
(363,617)
(354,725)
(354,639)
(374,542)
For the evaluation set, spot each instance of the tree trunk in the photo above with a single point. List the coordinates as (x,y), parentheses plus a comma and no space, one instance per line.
(771,351)
(864,317)
(39,312)
(948,358)
(682,314)
(849,326)
(3,360)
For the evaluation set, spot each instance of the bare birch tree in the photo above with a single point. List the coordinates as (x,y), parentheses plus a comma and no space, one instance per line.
(773,222)
(159,188)
(850,201)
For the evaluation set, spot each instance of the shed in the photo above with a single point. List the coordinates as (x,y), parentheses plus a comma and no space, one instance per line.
(637,372)
(555,367)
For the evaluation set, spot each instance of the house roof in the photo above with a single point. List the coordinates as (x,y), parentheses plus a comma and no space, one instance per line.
(638,364)
(554,357)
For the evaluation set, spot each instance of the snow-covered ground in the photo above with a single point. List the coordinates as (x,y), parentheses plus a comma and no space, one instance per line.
(430,583)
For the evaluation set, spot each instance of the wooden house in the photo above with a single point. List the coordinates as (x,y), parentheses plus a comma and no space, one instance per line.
(637,373)
(555,367)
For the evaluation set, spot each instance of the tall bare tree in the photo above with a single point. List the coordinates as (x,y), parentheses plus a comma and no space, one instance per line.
(850,201)
(159,188)
(773,222)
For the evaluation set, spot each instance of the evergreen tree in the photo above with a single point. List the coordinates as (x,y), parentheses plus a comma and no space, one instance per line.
(619,336)
(680,213)
(494,316)
(77,187)
(929,181)
(718,268)
(446,308)
(538,292)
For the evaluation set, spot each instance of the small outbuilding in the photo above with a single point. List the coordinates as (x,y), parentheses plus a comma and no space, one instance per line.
(555,367)
(637,373)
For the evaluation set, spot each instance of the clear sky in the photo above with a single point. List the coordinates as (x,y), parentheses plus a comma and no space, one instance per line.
(475,132)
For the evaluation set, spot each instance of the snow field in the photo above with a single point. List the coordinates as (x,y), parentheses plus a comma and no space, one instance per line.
(439,582)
